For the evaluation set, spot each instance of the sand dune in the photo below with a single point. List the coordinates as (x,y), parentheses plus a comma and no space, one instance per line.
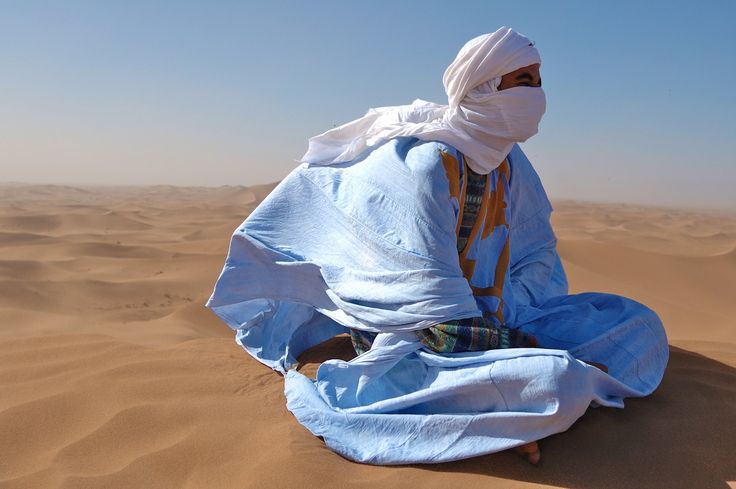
(113,374)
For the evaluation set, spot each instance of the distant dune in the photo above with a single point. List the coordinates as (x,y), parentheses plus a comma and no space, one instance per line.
(113,374)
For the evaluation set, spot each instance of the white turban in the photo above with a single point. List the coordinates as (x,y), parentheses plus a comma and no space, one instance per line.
(480,121)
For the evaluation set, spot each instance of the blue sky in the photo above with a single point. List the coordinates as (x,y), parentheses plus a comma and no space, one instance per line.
(641,101)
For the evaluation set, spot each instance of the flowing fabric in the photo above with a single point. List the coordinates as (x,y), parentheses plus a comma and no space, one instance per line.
(480,121)
(371,245)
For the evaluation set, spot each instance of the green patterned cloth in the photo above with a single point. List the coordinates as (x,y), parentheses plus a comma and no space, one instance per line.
(473,334)
(470,334)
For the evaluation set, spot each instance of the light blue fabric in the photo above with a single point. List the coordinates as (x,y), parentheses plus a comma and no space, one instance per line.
(370,244)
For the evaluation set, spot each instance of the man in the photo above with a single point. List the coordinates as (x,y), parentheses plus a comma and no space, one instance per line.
(424,232)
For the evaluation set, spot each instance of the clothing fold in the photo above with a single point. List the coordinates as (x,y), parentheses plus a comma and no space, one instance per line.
(371,245)
(479,120)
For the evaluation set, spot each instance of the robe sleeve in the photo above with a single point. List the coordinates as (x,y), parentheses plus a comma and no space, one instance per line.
(369,243)
(535,266)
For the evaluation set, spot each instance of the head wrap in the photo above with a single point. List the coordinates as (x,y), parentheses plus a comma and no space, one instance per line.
(480,121)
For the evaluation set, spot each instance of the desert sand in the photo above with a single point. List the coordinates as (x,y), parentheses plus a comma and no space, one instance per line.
(114,375)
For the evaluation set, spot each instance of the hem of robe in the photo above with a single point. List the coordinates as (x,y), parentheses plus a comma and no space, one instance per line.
(387,432)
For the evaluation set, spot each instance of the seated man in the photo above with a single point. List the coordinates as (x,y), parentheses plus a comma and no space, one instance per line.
(424,232)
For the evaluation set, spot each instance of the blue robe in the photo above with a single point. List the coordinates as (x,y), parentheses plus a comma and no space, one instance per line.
(371,245)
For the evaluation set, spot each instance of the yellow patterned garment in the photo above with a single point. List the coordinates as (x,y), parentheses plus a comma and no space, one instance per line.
(483,205)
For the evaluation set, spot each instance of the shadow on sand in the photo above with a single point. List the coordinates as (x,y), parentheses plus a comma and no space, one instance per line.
(682,436)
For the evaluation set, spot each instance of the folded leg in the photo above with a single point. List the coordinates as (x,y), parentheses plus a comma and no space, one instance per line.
(618,332)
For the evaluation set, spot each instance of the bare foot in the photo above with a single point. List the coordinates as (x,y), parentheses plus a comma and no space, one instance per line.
(530,452)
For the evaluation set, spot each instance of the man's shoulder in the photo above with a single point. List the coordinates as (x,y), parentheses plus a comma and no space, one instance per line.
(431,149)
(438,146)
(519,161)
(527,192)
(427,159)
(522,170)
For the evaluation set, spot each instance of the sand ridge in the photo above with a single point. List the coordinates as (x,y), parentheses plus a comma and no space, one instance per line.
(113,374)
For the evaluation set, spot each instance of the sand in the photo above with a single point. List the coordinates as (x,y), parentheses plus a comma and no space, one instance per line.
(113,374)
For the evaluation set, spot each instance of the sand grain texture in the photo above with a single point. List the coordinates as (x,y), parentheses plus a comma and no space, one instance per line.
(114,375)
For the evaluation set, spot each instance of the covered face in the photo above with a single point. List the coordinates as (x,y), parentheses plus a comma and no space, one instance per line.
(480,120)
(473,85)
(485,58)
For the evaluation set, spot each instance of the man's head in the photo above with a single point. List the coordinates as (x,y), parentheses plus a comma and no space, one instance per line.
(484,59)
(495,87)
(494,100)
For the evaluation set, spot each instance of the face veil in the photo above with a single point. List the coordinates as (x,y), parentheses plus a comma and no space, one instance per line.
(481,123)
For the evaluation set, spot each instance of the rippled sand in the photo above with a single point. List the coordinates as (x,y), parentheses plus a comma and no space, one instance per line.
(113,374)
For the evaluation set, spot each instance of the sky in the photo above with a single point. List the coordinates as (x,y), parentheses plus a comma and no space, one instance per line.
(641,98)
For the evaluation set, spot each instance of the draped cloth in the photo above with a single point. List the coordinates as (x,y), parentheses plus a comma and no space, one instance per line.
(370,245)
(478,120)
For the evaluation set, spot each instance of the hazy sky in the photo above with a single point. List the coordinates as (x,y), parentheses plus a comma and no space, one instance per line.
(641,94)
